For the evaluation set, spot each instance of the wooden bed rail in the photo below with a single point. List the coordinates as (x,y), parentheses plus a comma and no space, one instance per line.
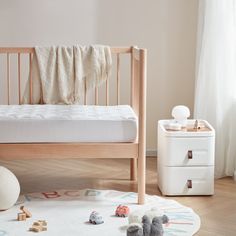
(114,50)
(117,51)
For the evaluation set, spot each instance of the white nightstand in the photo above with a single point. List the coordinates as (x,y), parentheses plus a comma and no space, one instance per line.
(186,159)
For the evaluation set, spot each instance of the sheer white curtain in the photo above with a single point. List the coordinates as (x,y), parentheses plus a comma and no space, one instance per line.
(215,92)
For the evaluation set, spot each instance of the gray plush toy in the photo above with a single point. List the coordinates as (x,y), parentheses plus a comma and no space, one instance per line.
(156,227)
(135,230)
(148,229)
(146,225)
(165,219)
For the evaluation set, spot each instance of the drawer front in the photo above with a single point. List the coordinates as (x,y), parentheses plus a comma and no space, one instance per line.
(187,181)
(188,151)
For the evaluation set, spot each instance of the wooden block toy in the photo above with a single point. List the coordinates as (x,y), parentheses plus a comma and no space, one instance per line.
(39,226)
(37,223)
(35,229)
(44,222)
(40,223)
(28,214)
(21,216)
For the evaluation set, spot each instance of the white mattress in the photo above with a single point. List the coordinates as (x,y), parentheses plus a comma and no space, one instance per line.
(67,123)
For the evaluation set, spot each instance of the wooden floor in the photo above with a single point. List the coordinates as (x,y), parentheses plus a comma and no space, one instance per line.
(218,213)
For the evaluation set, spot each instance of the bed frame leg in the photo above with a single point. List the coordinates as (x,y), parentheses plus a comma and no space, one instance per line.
(142,128)
(133,169)
(141,178)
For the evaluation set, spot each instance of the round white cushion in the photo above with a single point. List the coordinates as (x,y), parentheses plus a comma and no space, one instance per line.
(9,190)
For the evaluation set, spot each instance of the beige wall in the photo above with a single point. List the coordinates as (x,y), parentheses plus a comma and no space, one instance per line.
(47,22)
(167,28)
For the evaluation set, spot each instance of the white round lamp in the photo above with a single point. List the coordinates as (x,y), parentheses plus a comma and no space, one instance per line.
(9,189)
(181,114)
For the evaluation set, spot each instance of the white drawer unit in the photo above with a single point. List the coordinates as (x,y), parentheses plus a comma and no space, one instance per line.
(186,159)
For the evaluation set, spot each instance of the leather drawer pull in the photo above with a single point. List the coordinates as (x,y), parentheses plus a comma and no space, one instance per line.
(189,183)
(190,155)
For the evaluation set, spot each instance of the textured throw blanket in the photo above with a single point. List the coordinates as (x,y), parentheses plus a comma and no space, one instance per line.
(60,73)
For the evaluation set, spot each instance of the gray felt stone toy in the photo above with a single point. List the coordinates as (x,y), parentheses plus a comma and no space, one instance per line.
(156,227)
(148,229)
(135,230)
(165,219)
(146,225)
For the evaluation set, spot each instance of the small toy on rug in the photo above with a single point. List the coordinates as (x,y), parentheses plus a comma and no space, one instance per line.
(24,214)
(136,216)
(148,229)
(40,223)
(95,218)
(156,227)
(28,214)
(122,211)
(146,225)
(135,230)
(39,226)
(165,219)
(21,216)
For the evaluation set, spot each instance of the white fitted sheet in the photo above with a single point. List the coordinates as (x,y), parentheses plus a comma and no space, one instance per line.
(67,123)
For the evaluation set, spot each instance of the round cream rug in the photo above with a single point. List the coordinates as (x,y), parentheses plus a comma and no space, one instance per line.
(67,213)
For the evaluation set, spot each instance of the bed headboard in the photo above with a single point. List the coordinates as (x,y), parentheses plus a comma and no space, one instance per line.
(137,76)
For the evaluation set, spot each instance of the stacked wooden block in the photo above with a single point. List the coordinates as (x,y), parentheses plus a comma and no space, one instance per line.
(39,226)
(24,214)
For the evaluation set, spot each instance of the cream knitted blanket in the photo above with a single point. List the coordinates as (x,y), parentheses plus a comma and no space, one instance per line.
(60,74)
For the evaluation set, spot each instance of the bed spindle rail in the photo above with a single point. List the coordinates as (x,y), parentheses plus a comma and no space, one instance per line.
(19,77)
(30,78)
(85,94)
(118,77)
(96,95)
(134,73)
(8,78)
(107,93)
(18,51)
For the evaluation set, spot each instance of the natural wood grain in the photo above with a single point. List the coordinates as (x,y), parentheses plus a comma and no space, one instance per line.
(19,77)
(31,49)
(135,82)
(96,95)
(16,50)
(190,129)
(132,77)
(133,169)
(217,212)
(118,78)
(30,79)
(8,78)
(68,150)
(107,92)
(142,129)
(85,94)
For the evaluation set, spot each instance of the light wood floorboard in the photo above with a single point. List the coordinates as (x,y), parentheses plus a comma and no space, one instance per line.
(218,212)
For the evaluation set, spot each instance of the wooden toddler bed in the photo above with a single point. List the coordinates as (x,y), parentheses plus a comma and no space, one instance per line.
(134,150)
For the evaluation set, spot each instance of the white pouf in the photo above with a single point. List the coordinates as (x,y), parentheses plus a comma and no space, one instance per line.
(9,188)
